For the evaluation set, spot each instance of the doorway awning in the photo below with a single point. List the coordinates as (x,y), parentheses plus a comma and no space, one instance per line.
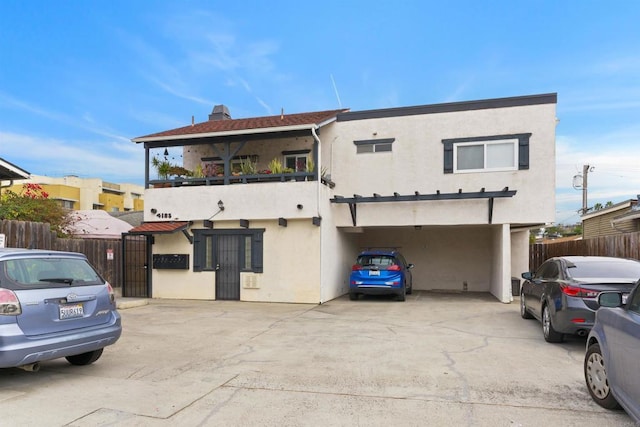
(160,227)
(417,196)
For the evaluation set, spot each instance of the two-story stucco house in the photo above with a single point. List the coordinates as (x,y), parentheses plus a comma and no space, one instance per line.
(277,208)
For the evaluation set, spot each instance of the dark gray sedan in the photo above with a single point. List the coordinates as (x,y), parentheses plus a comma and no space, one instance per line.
(563,291)
(611,361)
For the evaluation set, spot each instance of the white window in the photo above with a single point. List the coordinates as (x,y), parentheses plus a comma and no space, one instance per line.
(296,162)
(374,145)
(500,155)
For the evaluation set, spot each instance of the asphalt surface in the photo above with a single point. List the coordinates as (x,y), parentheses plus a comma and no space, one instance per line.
(433,360)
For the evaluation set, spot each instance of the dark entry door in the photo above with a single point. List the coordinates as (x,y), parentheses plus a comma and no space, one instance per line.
(135,253)
(228,267)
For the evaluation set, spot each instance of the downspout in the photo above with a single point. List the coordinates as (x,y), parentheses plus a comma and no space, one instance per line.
(318,184)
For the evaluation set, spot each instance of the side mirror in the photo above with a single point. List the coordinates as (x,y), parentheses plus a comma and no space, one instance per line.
(610,299)
(527,275)
(410,266)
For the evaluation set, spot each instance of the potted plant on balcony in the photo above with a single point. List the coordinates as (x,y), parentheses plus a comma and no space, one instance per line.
(179,172)
(275,166)
(247,167)
(288,171)
(198,172)
(163,167)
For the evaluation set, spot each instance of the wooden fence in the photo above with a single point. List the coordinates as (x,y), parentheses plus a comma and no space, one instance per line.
(623,246)
(104,254)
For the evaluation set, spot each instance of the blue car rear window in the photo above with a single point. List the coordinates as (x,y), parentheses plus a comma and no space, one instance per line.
(376,260)
(35,273)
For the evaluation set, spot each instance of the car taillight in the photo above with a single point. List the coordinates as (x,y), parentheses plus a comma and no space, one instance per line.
(356,267)
(394,267)
(576,291)
(112,294)
(9,304)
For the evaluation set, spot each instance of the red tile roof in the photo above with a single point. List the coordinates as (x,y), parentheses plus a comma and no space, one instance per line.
(214,126)
(159,227)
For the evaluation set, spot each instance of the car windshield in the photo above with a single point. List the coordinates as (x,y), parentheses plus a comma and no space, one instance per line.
(605,269)
(31,273)
(376,260)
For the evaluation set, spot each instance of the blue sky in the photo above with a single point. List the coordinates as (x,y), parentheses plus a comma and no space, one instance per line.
(79,79)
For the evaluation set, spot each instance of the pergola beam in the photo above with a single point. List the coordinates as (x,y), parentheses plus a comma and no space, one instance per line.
(459,195)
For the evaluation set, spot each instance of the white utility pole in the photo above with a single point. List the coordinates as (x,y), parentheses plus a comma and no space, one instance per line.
(585,172)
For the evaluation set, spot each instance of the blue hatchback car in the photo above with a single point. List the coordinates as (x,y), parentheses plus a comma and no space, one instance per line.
(613,345)
(53,305)
(380,272)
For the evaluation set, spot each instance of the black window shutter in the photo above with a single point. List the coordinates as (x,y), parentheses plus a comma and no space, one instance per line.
(256,252)
(448,156)
(523,151)
(197,252)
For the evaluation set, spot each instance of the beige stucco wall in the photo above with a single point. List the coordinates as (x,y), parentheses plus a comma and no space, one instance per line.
(291,264)
(501,263)
(519,253)
(269,200)
(338,250)
(183,284)
(416,164)
(291,259)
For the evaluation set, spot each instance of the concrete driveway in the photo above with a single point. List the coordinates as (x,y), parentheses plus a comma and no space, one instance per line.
(434,360)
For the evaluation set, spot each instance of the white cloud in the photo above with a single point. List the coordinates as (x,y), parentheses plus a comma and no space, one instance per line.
(109,159)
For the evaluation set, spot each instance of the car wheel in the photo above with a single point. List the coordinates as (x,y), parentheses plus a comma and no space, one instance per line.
(401,295)
(353,296)
(550,334)
(523,309)
(85,358)
(410,290)
(596,377)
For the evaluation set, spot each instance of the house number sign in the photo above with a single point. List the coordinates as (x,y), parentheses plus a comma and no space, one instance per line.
(163,215)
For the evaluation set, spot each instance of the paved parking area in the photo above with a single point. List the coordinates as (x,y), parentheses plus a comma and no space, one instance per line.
(436,359)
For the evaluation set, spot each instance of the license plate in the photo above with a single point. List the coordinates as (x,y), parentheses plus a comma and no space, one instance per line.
(71,311)
(374,272)
(624,298)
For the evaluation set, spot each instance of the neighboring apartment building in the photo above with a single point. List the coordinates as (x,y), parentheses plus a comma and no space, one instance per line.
(623,217)
(89,193)
(455,186)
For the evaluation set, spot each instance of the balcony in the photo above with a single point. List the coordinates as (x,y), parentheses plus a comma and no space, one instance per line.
(179,181)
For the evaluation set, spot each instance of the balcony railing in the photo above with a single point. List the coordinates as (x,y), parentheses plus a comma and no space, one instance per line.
(234,179)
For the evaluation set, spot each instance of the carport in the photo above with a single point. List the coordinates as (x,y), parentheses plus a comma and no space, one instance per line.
(447,257)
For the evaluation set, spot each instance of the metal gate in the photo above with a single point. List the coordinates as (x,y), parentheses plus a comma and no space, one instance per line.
(135,263)
(228,267)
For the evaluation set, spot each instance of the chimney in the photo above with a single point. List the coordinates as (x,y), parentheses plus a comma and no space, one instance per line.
(220,112)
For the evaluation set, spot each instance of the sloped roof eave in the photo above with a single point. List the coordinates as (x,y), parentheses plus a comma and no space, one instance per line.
(9,171)
(238,132)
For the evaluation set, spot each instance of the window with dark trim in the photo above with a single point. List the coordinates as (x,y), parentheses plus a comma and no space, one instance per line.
(373,145)
(486,153)
(249,251)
